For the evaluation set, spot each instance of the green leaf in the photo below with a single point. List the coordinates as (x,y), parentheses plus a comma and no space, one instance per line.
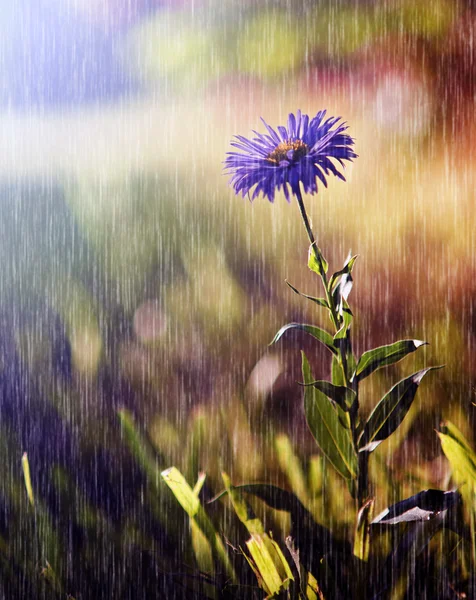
(348,266)
(26,474)
(337,374)
(362,530)
(314,264)
(266,559)
(309,588)
(333,438)
(291,465)
(390,411)
(423,506)
(320,301)
(269,565)
(318,333)
(189,501)
(140,448)
(342,291)
(384,356)
(320,553)
(459,454)
(242,509)
(341,395)
(347,316)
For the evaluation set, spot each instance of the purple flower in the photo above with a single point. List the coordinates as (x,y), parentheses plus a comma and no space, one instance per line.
(300,153)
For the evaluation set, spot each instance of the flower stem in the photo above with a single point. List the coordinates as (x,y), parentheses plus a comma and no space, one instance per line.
(317,254)
(362,482)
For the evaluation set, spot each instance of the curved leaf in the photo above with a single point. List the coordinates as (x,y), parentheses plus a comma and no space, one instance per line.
(314,264)
(347,316)
(320,553)
(383,356)
(189,501)
(459,454)
(320,301)
(342,291)
(316,332)
(341,395)
(421,507)
(330,434)
(390,411)
(348,266)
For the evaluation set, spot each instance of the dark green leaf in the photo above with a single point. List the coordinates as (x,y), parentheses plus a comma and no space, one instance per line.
(320,301)
(384,356)
(421,507)
(390,411)
(332,437)
(318,333)
(272,495)
(341,395)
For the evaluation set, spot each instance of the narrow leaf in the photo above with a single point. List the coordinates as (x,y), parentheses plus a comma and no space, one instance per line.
(331,436)
(384,356)
(189,501)
(242,509)
(362,530)
(390,411)
(423,506)
(320,335)
(184,494)
(290,464)
(320,553)
(341,395)
(320,301)
(26,474)
(308,585)
(267,561)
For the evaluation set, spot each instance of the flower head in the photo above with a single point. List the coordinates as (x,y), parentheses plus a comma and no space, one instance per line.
(300,153)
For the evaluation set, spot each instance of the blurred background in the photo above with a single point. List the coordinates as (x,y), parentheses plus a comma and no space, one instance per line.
(132,277)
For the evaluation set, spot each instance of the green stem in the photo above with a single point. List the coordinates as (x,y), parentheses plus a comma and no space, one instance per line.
(362,484)
(317,254)
(332,309)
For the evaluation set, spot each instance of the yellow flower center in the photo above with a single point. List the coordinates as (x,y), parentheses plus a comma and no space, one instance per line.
(280,153)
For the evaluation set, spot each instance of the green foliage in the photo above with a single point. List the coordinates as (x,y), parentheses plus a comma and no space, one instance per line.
(462,459)
(384,356)
(266,559)
(316,261)
(341,395)
(331,434)
(390,411)
(316,332)
(188,500)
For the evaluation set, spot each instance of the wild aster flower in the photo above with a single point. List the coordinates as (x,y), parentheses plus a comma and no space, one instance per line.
(300,153)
